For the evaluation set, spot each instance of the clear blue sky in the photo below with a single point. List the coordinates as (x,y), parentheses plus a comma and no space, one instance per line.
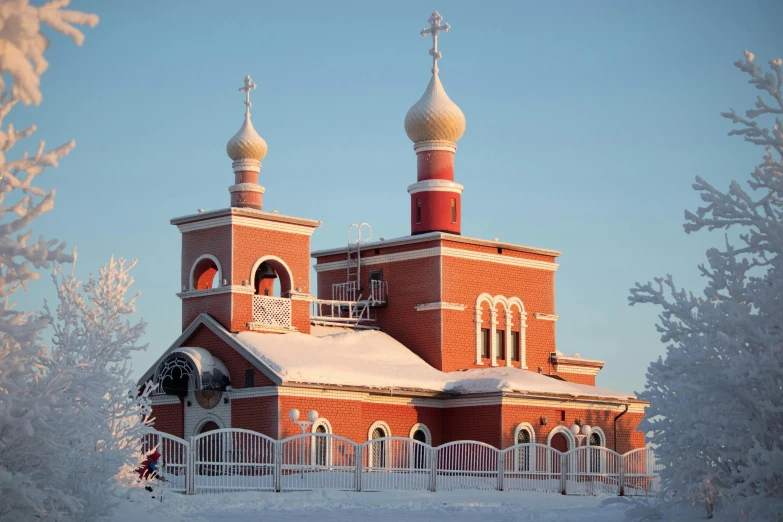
(586,125)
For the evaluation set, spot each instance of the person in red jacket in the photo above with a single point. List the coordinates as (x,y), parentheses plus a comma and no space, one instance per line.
(149,468)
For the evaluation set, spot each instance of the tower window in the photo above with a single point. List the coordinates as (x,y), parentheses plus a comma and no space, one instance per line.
(418,211)
(515,346)
(485,343)
(453,210)
(500,343)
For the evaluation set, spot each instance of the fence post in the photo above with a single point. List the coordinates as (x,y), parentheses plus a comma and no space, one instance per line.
(278,469)
(359,465)
(563,473)
(501,454)
(190,468)
(433,469)
(621,476)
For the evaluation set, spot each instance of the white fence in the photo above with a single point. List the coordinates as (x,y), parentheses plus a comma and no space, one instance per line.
(242,460)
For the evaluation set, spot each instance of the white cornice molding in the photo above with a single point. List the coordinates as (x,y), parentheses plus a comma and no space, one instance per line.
(423,146)
(246,222)
(228,289)
(546,317)
(441,251)
(581,370)
(440,305)
(246,165)
(246,187)
(435,185)
(161,400)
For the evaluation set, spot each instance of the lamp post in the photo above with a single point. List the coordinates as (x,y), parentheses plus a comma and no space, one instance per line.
(312,417)
(581,434)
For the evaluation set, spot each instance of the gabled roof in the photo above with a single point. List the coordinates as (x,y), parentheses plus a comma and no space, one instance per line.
(215,327)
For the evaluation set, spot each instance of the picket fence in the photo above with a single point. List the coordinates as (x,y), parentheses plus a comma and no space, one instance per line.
(242,460)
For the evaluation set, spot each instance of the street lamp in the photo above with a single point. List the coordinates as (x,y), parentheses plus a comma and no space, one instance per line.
(312,417)
(581,434)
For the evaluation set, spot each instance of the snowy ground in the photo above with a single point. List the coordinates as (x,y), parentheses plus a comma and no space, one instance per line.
(333,506)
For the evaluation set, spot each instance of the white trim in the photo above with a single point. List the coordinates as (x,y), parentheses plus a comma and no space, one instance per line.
(246,165)
(524,426)
(440,305)
(246,187)
(193,268)
(580,370)
(205,418)
(566,432)
(386,445)
(546,317)
(259,223)
(441,251)
(435,185)
(423,427)
(328,427)
(228,289)
(162,400)
(278,260)
(423,146)
(508,305)
(255,391)
(600,433)
(436,236)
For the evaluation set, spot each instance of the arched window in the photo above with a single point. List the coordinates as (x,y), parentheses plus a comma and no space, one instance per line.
(561,439)
(272,277)
(453,210)
(379,451)
(597,456)
(525,456)
(322,443)
(205,273)
(418,211)
(420,433)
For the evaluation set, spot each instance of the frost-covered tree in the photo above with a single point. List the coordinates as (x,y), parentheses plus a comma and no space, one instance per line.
(716,398)
(67,421)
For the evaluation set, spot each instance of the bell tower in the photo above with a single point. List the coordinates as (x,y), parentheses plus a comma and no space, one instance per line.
(248,269)
(435,124)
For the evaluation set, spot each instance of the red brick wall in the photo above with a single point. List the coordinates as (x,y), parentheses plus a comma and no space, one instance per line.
(578,378)
(257,414)
(250,244)
(170,418)
(235,363)
(215,241)
(481,423)
(465,279)
(216,305)
(352,419)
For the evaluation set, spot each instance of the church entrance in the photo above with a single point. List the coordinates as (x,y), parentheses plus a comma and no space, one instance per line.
(208,426)
(559,442)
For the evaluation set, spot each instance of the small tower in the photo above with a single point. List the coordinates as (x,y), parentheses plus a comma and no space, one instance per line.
(248,269)
(246,149)
(435,124)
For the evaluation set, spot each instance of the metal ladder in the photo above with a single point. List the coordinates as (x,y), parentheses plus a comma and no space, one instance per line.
(354,269)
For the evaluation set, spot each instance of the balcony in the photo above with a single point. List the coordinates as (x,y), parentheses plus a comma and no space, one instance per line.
(271,313)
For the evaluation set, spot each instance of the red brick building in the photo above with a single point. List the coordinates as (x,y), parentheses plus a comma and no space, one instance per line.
(434,335)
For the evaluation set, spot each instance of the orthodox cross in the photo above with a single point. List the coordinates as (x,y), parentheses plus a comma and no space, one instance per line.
(434,29)
(249,86)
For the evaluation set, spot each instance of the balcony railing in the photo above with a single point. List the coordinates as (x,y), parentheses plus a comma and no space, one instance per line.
(344,291)
(272,311)
(379,291)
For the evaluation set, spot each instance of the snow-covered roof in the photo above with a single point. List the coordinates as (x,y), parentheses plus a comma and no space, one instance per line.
(211,373)
(373,359)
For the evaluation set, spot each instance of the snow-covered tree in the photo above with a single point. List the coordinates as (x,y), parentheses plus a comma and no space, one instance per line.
(716,399)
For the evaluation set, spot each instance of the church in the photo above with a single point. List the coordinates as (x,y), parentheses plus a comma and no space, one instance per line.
(433,335)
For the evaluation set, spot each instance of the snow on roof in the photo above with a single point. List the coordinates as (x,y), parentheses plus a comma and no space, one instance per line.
(345,357)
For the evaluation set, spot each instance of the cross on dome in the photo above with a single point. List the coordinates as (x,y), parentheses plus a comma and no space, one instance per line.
(246,88)
(434,30)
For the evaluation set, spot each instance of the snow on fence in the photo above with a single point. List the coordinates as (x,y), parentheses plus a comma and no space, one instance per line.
(242,460)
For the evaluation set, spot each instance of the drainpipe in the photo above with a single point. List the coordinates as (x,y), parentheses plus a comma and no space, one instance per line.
(615,425)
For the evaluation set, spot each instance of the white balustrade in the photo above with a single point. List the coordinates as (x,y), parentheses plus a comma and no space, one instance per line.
(272,311)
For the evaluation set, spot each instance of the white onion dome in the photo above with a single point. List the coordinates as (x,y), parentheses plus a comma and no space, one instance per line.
(246,144)
(435,117)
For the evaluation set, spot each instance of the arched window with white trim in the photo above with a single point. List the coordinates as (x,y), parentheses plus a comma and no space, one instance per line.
(321,444)
(271,277)
(597,457)
(379,454)
(421,433)
(524,458)
(561,439)
(205,273)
